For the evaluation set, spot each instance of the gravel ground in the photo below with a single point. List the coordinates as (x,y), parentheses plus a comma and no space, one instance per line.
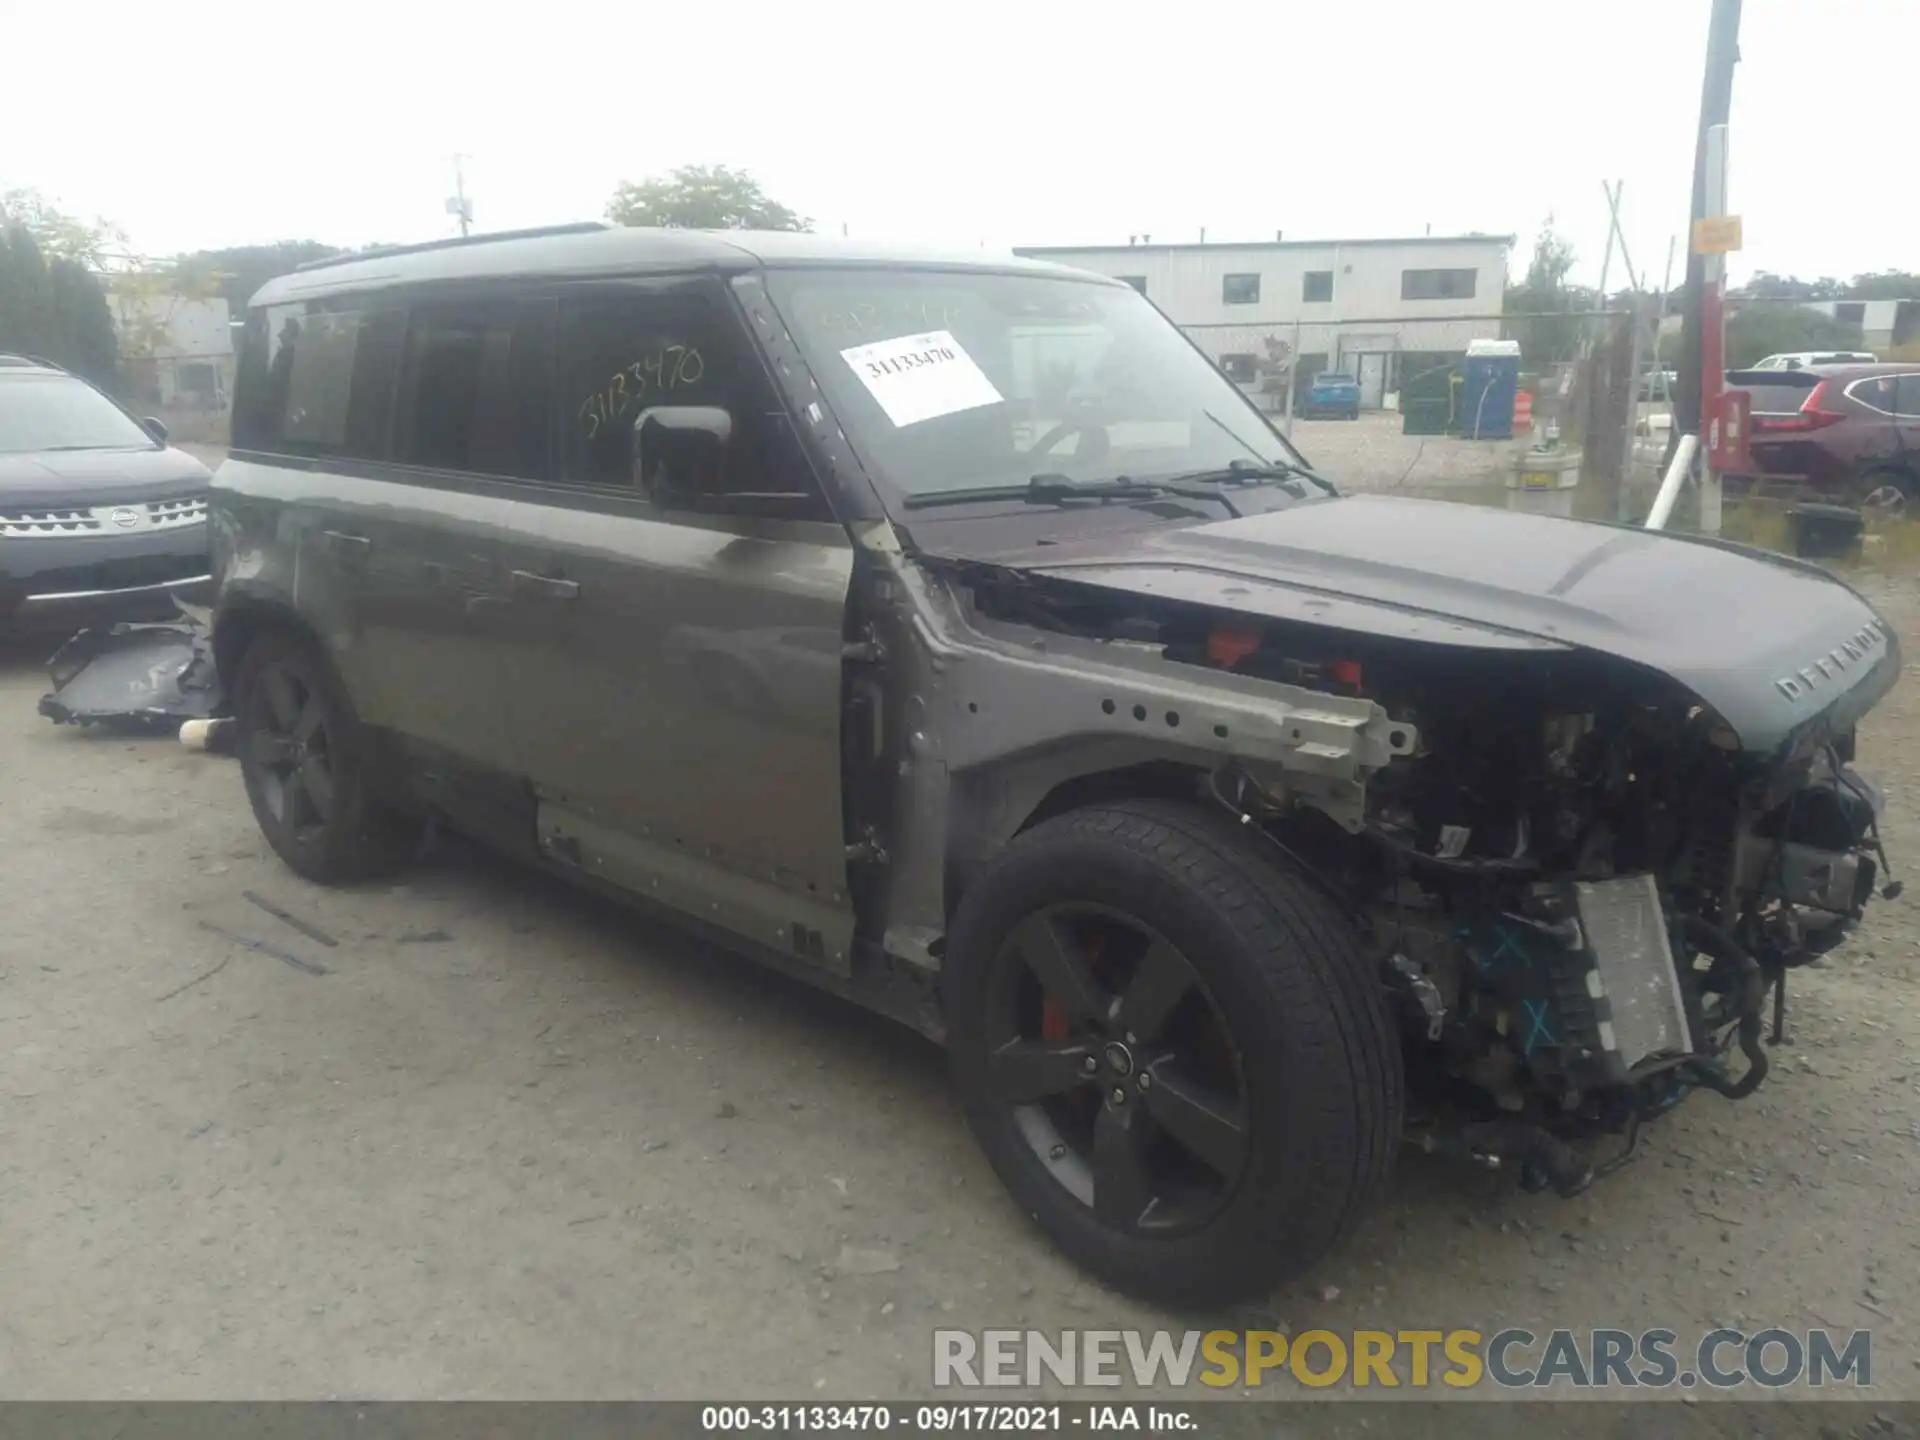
(1370,454)
(516,1143)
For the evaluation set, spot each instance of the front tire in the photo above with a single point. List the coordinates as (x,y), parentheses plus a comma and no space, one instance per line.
(302,758)
(1169,1045)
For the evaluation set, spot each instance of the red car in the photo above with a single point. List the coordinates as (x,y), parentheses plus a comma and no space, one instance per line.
(1849,433)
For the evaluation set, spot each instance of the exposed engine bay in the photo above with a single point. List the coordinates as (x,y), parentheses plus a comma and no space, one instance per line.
(1581,889)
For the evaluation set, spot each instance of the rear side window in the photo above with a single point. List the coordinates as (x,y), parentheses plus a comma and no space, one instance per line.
(1877,393)
(1907,396)
(476,388)
(318,379)
(621,353)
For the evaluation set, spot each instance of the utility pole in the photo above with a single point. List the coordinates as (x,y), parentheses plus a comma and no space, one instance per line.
(458,205)
(1613,227)
(1716,102)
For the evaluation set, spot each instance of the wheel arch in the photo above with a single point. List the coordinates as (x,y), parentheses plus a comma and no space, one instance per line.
(243,618)
(991,805)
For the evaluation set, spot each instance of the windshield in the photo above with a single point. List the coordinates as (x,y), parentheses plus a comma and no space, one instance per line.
(54,412)
(965,380)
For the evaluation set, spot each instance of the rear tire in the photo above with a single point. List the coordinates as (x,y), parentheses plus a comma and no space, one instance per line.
(302,757)
(1299,1130)
(1886,492)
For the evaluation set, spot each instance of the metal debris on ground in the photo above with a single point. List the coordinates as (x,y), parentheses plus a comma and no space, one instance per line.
(285,956)
(305,927)
(146,677)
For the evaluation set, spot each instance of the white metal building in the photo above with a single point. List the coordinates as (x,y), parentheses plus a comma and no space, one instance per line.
(176,352)
(1369,307)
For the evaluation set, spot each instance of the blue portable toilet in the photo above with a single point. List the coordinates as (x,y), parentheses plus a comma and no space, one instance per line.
(1490,378)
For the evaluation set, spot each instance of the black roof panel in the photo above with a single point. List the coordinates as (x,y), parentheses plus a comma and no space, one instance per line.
(585,250)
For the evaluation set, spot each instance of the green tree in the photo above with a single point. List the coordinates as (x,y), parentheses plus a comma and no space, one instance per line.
(1765,285)
(87,344)
(1541,299)
(237,272)
(1874,285)
(702,197)
(1757,331)
(1884,285)
(54,309)
(61,236)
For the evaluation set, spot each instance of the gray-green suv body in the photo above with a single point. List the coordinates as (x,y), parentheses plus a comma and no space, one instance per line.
(950,632)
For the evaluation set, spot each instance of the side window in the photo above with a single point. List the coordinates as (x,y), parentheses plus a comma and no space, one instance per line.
(621,354)
(476,388)
(318,380)
(1906,393)
(1878,393)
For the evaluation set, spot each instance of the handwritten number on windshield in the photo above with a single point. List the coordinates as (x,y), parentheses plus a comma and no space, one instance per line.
(661,372)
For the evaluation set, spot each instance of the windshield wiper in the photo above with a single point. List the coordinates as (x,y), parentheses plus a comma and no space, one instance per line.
(1255,472)
(1052,487)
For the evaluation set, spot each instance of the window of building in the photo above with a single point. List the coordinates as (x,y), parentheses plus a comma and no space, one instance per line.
(196,382)
(318,379)
(1239,368)
(1850,312)
(1438,284)
(476,388)
(1240,289)
(1138,282)
(1316,287)
(621,355)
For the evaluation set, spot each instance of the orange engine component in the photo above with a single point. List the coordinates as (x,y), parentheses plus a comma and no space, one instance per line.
(1227,648)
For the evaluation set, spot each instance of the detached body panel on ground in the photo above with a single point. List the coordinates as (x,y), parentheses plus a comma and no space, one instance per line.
(951,633)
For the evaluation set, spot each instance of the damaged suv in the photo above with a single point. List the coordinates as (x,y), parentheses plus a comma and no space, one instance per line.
(951,633)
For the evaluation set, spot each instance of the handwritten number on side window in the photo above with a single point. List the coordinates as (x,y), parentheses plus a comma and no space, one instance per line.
(662,371)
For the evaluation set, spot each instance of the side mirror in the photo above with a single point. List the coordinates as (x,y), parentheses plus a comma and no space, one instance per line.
(680,450)
(155,427)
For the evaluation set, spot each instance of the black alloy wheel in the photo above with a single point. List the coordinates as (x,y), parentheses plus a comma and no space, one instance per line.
(292,747)
(303,759)
(1117,1068)
(1171,1046)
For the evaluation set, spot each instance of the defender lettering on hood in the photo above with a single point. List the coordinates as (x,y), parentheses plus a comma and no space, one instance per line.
(1866,643)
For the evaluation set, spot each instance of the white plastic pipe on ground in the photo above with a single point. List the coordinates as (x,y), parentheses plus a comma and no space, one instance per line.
(1670,484)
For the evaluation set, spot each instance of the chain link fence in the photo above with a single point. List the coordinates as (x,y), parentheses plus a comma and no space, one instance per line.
(1582,379)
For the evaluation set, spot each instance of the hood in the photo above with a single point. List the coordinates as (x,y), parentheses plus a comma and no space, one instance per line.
(53,477)
(1769,643)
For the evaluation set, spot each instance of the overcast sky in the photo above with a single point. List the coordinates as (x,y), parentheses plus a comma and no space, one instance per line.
(209,124)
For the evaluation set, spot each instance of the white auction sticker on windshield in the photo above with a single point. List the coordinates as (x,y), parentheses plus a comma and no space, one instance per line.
(919,377)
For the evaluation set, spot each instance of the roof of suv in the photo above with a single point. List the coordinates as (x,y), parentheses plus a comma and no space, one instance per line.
(29,364)
(577,251)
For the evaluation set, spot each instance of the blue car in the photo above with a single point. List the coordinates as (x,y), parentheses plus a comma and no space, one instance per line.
(1332,393)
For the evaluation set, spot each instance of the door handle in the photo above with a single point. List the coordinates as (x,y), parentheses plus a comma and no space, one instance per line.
(342,543)
(550,587)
